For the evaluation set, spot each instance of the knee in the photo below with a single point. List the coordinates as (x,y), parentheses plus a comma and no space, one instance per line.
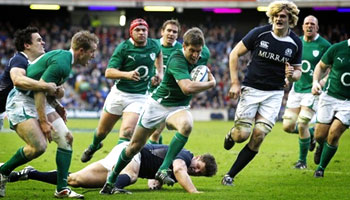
(333,138)
(241,130)
(36,150)
(127,132)
(289,121)
(185,128)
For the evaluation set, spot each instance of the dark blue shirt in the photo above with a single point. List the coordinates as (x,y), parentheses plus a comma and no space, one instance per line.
(6,84)
(152,156)
(266,70)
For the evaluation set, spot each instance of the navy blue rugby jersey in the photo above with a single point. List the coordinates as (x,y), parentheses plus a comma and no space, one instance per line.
(269,53)
(152,156)
(6,84)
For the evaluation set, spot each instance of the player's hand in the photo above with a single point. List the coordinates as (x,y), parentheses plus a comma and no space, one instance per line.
(154,184)
(62,112)
(134,75)
(155,81)
(46,128)
(235,91)
(316,88)
(289,70)
(51,89)
(59,92)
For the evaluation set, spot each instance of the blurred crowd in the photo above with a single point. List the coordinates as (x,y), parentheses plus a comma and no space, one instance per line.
(87,87)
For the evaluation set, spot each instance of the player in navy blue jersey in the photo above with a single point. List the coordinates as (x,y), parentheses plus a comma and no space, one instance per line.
(275,58)
(144,165)
(29,46)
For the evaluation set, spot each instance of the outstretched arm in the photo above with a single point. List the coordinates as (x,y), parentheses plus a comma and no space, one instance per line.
(181,175)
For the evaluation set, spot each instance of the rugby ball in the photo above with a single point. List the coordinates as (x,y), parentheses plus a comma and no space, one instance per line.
(200,73)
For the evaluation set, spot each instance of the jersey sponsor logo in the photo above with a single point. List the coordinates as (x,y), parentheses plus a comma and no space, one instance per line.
(343,77)
(143,71)
(340,59)
(288,52)
(264,44)
(315,53)
(153,56)
(132,58)
(272,56)
(306,67)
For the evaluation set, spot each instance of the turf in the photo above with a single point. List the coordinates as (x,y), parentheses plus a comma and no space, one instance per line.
(269,176)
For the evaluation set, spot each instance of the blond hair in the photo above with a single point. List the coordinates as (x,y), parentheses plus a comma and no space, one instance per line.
(290,7)
(83,39)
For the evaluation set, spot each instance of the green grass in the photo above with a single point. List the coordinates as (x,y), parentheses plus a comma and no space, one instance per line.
(269,176)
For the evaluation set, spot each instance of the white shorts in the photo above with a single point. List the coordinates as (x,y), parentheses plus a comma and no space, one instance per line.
(20,107)
(118,102)
(330,107)
(296,100)
(252,101)
(111,159)
(154,113)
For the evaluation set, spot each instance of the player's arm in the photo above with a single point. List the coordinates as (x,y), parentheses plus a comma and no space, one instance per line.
(181,175)
(320,70)
(53,101)
(40,103)
(20,80)
(189,87)
(113,73)
(156,79)
(239,50)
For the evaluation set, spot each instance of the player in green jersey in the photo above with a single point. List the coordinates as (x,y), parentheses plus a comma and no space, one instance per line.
(333,112)
(132,65)
(301,104)
(35,121)
(168,43)
(169,103)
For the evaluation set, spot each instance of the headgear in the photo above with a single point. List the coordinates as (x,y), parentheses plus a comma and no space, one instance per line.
(137,22)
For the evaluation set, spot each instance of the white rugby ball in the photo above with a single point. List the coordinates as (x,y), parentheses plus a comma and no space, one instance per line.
(200,73)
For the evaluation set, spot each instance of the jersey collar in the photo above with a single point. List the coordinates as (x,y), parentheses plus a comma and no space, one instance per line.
(24,54)
(71,50)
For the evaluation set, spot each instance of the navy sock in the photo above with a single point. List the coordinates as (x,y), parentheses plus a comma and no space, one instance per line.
(244,157)
(47,177)
(123,180)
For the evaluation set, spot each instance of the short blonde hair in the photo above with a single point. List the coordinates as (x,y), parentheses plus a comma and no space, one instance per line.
(277,6)
(83,39)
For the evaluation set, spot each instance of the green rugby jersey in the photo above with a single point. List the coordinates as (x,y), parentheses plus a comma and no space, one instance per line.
(169,93)
(128,57)
(54,66)
(312,53)
(338,82)
(168,50)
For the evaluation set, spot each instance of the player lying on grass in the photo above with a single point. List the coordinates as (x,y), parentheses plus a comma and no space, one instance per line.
(144,165)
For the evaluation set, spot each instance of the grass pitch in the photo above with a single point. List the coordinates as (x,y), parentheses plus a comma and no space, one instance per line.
(269,176)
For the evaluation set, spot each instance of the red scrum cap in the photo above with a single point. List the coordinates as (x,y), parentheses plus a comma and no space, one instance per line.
(137,22)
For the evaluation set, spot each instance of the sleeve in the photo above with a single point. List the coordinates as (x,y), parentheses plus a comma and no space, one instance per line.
(297,58)
(327,58)
(186,156)
(158,50)
(116,60)
(19,62)
(178,68)
(55,73)
(250,38)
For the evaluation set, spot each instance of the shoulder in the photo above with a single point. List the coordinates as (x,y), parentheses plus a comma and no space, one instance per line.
(153,43)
